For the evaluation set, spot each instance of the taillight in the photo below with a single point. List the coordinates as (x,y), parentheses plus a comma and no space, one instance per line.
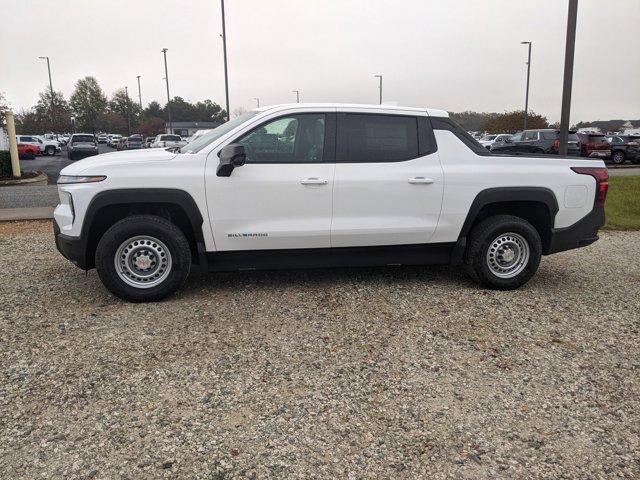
(556,144)
(601,174)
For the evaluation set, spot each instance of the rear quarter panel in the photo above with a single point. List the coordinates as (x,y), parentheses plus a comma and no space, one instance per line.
(467,174)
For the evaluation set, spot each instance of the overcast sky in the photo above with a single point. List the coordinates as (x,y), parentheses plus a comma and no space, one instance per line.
(450,54)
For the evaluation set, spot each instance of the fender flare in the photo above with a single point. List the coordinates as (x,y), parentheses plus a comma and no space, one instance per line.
(126,196)
(501,195)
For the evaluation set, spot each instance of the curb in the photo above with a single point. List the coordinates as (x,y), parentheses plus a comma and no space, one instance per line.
(16,214)
(40,179)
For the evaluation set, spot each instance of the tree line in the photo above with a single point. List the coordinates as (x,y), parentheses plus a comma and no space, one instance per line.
(95,112)
(512,122)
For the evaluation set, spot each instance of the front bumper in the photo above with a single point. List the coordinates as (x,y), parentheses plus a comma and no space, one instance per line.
(72,248)
(582,233)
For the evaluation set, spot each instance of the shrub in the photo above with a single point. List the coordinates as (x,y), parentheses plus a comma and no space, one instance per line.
(5,163)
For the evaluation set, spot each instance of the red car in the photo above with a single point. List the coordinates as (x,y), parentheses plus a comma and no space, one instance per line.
(594,145)
(28,151)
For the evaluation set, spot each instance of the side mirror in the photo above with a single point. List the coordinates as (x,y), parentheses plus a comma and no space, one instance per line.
(231,156)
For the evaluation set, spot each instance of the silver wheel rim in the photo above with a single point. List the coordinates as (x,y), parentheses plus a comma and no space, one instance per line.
(143,261)
(508,255)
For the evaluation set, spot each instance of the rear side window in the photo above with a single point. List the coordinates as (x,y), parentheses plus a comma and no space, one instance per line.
(549,135)
(376,138)
(531,135)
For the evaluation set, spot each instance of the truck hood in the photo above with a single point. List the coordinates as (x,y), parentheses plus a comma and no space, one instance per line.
(94,164)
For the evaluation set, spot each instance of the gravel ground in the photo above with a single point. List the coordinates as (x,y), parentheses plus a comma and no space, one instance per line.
(367,373)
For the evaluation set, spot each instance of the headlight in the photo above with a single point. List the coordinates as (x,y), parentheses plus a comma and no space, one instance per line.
(64,179)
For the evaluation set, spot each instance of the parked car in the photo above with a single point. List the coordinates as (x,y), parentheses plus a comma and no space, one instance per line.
(133,143)
(47,147)
(489,140)
(121,143)
(148,142)
(623,148)
(56,137)
(113,140)
(594,145)
(82,145)
(102,138)
(28,151)
(165,140)
(310,186)
(540,141)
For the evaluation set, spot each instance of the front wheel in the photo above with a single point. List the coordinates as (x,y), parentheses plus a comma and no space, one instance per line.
(143,258)
(50,151)
(504,252)
(618,157)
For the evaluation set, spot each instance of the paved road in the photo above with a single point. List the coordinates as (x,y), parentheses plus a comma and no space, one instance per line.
(624,172)
(28,197)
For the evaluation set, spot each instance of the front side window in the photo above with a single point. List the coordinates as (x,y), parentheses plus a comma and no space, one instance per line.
(377,138)
(531,136)
(517,137)
(290,139)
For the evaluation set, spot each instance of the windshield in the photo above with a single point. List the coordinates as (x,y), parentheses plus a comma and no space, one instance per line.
(488,137)
(83,139)
(170,138)
(201,142)
(135,140)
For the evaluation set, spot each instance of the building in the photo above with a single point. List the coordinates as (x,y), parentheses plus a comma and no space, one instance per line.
(186,129)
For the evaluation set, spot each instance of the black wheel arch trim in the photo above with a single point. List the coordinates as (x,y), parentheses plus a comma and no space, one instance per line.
(501,195)
(126,196)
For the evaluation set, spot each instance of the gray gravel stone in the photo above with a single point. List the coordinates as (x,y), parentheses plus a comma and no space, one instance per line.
(351,373)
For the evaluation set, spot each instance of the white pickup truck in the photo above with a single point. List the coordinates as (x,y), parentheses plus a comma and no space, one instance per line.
(317,185)
(47,147)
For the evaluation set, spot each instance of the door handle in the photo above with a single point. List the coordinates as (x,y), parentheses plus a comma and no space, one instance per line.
(314,181)
(421,180)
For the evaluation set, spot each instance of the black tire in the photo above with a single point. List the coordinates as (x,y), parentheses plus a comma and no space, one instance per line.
(140,226)
(51,151)
(618,157)
(482,239)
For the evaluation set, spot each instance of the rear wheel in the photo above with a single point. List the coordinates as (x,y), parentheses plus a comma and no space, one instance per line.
(504,252)
(618,157)
(50,151)
(143,258)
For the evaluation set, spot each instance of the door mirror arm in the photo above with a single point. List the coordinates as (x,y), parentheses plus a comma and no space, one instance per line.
(231,156)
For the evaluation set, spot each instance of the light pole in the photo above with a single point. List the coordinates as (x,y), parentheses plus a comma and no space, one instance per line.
(166,77)
(139,92)
(51,87)
(257,101)
(224,48)
(570,48)
(297,92)
(380,86)
(526,98)
(126,92)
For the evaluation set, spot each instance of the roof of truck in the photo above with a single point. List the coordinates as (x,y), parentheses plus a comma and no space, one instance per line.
(430,111)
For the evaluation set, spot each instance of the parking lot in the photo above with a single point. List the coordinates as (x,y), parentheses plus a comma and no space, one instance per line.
(349,373)
(52,165)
